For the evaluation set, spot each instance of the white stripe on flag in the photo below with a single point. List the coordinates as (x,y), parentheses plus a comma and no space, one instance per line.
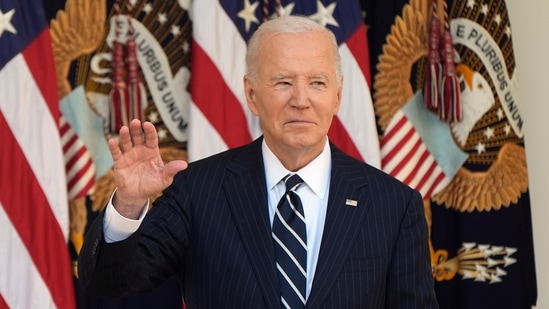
(41,150)
(207,139)
(21,285)
(356,112)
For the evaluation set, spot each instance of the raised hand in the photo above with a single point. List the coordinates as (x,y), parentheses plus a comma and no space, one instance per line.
(139,171)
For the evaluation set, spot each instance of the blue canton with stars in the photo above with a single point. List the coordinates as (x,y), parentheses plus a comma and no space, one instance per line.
(342,17)
(21,21)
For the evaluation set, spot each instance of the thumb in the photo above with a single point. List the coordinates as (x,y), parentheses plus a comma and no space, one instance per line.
(174,167)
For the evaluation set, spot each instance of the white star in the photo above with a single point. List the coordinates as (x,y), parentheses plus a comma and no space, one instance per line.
(470,4)
(507,129)
(500,114)
(186,47)
(324,14)
(508,31)
(480,147)
(162,18)
(497,20)
(5,22)
(175,30)
(489,132)
(153,117)
(248,14)
(484,9)
(147,8)
(285,11)
(162,134)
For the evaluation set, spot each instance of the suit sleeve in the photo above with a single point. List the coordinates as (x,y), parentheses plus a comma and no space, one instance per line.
(410,280)
(103,267)
(144,260)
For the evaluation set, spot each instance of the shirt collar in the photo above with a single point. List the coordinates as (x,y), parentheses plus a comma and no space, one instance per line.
(316,174)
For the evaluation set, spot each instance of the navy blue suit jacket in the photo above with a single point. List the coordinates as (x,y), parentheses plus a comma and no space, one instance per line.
(211,228)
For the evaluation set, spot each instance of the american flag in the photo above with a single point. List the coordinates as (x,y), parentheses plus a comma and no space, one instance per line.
(35,267)
(219,118)
(79,165)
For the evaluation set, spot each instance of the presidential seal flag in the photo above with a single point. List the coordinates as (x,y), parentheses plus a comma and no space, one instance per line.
(35,266)
(219,117)
(470,167)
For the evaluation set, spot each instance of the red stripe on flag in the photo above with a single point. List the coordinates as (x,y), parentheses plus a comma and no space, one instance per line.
(3,304)
(216,101)
(73,138)
(339,136)
(64,128)
(39,58)
(358,45)
(29,211)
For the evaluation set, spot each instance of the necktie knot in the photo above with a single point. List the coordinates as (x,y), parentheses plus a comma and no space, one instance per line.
(292,182)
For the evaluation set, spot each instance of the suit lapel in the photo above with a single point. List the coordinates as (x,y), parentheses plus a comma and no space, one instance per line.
(248,203)
(343,221)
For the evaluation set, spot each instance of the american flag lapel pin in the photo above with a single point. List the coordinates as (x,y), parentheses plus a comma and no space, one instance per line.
(350,202)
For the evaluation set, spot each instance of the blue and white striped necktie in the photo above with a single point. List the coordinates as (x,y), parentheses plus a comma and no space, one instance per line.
(290,242)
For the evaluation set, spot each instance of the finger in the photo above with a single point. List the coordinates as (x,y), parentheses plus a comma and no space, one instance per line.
(116,153)
(136,132)
(151,136)
(124,139)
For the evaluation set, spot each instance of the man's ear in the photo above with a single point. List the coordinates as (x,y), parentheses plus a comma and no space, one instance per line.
(250,94)
(339,93)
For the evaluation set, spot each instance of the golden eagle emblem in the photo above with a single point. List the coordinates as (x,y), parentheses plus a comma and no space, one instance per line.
(490,131)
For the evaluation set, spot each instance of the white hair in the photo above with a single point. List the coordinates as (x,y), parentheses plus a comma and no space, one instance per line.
(286,24)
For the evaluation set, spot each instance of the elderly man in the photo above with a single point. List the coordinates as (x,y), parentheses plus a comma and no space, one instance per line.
(287,221)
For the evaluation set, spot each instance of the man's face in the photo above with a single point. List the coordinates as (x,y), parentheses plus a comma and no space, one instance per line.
(297,92)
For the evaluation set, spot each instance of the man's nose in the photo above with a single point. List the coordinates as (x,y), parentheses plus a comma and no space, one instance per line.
(300,95)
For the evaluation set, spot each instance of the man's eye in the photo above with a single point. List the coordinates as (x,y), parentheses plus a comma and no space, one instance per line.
(283,83)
